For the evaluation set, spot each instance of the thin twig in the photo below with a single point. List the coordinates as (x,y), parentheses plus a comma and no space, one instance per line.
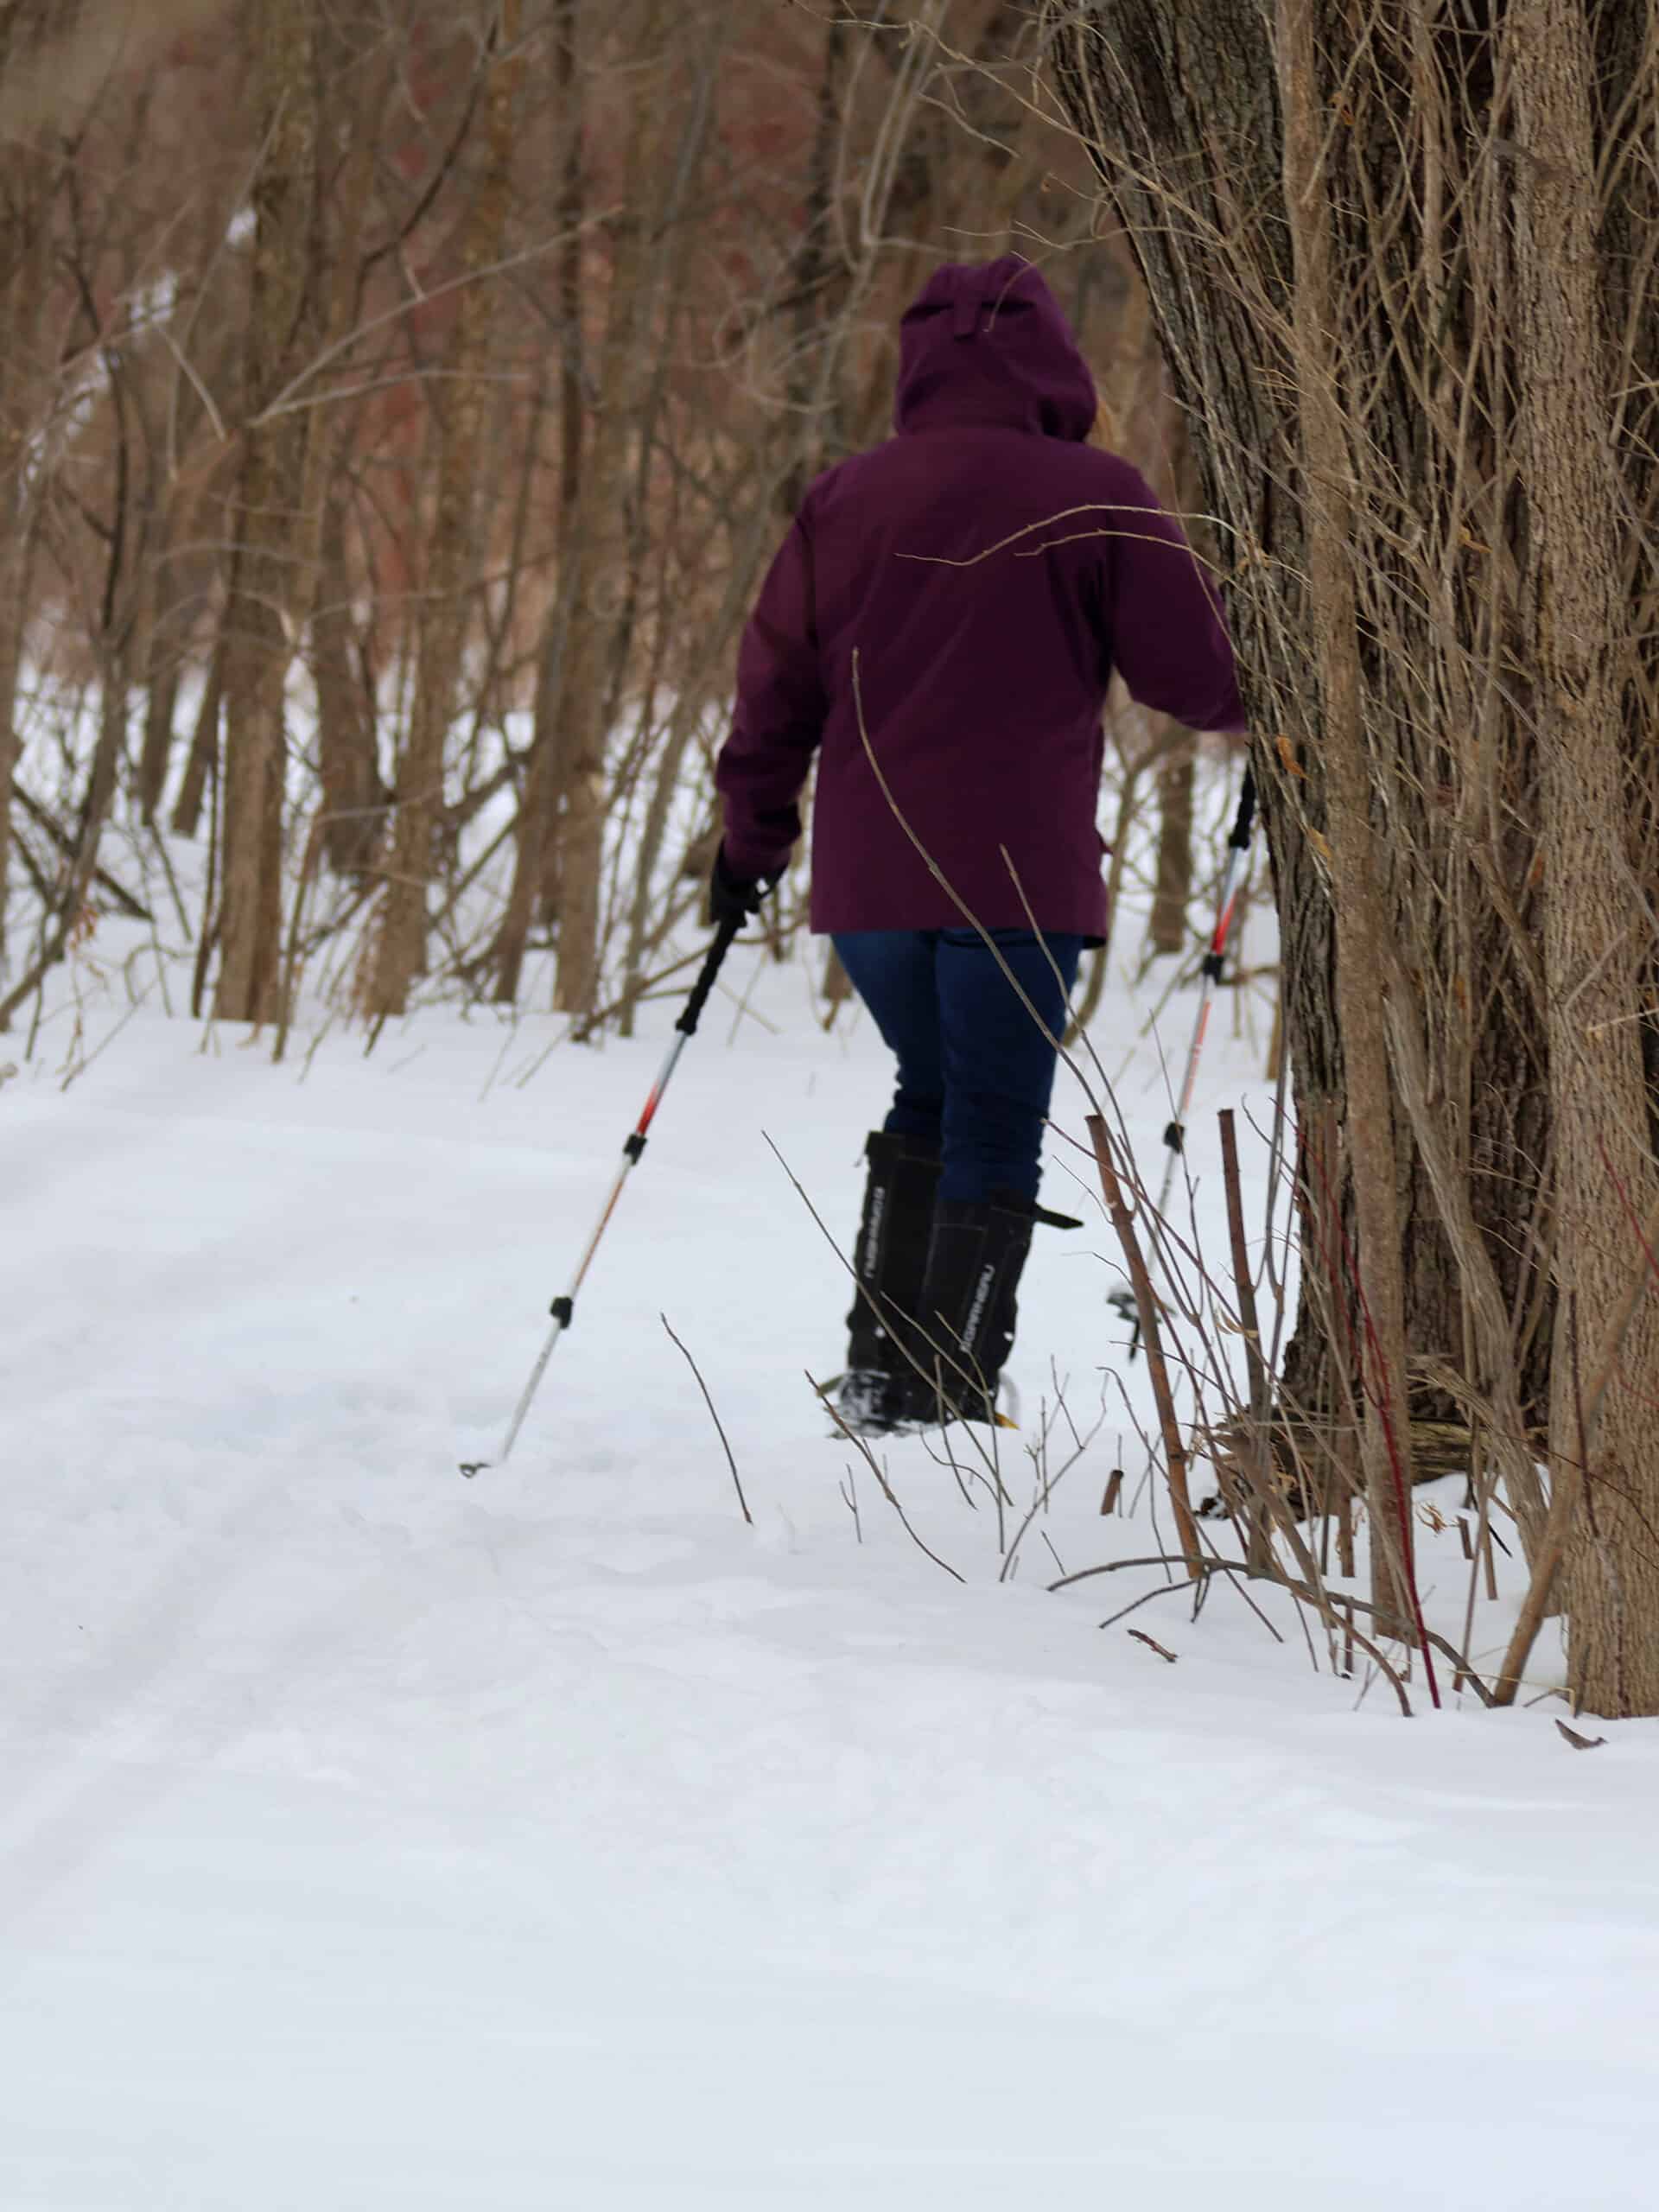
(1330,1607)
(1152,1643)
(860,1445)
(720,1432)
(1146,1306)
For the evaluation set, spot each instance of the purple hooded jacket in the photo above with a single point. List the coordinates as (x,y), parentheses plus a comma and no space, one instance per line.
(989,571)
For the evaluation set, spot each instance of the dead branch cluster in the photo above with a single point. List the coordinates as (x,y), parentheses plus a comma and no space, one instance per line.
(1402,260)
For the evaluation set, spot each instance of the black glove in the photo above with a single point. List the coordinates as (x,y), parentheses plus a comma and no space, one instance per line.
(734,898)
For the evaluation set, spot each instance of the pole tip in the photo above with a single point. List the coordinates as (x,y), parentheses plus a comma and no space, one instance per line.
(471,1467)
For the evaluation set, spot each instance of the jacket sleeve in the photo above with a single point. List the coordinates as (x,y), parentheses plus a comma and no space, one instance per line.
(1169,640)
(779,719)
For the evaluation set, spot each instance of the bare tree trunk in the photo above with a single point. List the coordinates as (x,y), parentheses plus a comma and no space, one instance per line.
(282,321)
(1176,101)
(11,644)
(24,245)
(1596,927)
(1362,919)
(593,620)
(581,667)
(818,287)
(176,588)
(457,408)
(161,707)
(204,748)
(353,796)
(579,660)
(532,888)
(1172,880)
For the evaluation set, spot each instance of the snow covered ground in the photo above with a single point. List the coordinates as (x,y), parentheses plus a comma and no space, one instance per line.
(372,1839)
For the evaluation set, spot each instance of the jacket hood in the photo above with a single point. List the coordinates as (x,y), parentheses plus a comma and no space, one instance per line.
(987,342)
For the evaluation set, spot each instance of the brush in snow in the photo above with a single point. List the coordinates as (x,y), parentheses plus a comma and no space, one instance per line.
(1123,1301)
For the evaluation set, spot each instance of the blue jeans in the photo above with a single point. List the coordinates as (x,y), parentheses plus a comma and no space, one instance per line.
(975,1070)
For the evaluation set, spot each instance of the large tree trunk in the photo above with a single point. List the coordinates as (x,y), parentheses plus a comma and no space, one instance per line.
(1177,101)
(1598,943)
(1476,397)
(1362,921)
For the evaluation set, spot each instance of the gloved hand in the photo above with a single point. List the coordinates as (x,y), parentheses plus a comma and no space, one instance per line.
(734,898)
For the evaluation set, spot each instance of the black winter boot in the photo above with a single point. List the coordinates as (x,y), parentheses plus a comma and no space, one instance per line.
(968,1307)
(891,1258)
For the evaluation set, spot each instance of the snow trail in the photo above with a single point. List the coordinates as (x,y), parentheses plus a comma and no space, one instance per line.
(376,1839)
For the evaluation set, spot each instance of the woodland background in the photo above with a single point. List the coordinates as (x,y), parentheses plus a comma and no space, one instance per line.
(401,402)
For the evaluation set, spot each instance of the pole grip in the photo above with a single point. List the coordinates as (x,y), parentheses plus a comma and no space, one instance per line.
(1246,816)
(691,1011)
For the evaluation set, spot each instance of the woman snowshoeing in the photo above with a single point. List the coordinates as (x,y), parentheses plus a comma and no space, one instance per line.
(938,630)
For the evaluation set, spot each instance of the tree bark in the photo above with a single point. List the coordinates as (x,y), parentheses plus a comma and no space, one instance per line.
(353,798)
(581,670)
(204,747)
(458,407)
(818,285)
(1177,101)
(25,243)
(161,707)
(1173,874)
(1363,923)
(1597,933)
(612,547)
(12,566)
(283,322)
(535,861)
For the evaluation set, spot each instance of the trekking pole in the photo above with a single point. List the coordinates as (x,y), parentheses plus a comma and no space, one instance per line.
(563,1309)
(1175,1135)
